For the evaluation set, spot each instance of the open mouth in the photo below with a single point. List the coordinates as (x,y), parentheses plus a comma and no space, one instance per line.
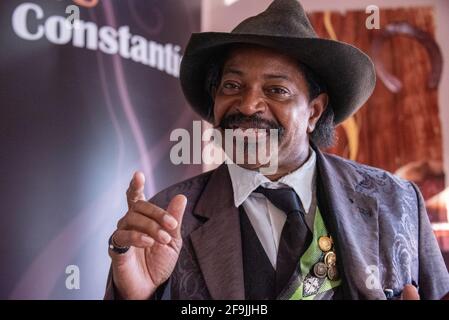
(248,126)
(251,129)
(249,133)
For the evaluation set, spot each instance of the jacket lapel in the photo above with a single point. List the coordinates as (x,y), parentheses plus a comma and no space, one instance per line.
(352,218)
(217,243)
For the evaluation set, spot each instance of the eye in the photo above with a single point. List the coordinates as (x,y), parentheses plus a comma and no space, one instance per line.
(278,91)
(230,87)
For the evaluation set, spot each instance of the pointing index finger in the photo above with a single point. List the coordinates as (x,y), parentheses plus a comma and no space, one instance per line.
(136,188)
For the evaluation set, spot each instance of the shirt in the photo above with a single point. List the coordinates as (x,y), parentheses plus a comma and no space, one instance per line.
(266,219)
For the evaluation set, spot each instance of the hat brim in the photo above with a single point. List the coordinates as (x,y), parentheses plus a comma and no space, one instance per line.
(348,73)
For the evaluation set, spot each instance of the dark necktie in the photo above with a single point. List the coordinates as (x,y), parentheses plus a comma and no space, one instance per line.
(295,236)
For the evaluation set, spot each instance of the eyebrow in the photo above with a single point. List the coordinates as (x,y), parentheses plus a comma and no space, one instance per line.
(276,76)
(238,72)
(232,71)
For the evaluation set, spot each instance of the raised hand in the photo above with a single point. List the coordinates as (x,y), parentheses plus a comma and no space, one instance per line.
(154,237)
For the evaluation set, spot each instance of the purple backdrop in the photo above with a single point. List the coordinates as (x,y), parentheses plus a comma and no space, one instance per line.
(81,109)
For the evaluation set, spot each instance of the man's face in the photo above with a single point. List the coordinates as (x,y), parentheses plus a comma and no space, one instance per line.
(261,88)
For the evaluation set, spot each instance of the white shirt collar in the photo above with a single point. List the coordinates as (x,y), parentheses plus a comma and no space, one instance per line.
(245,181)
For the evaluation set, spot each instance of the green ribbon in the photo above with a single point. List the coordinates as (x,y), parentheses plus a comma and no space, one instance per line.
(313,255)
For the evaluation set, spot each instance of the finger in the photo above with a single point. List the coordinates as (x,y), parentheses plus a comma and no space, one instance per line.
(176,209)
(136,188)
(154,212)
(128,238)
(141,223)
(410,293)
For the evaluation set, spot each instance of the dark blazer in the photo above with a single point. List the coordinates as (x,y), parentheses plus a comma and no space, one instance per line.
(379,222)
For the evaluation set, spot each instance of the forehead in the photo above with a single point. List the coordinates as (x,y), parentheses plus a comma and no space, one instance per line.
(262,59)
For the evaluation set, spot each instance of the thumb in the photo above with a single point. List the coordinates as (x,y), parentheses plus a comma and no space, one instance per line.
(176,208)
(136,188)
(409,293)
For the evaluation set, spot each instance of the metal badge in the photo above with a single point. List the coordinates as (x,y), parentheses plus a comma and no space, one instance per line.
(330,259)
(332,273)
(320,270)
(325,244)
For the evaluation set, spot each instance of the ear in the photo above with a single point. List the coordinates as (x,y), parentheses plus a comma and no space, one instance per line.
(317,107)
(213,93)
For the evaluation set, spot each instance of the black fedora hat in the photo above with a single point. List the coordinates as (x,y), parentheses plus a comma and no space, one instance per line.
(347,72)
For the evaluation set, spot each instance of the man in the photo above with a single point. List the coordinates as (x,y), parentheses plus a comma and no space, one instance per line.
(319,227)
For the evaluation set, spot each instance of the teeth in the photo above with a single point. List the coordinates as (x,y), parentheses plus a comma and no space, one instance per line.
(253,135)
(253,129)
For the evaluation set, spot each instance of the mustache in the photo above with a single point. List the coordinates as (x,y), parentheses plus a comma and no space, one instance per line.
(253,121)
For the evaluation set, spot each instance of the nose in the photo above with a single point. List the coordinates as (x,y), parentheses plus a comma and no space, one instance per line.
(251,102)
